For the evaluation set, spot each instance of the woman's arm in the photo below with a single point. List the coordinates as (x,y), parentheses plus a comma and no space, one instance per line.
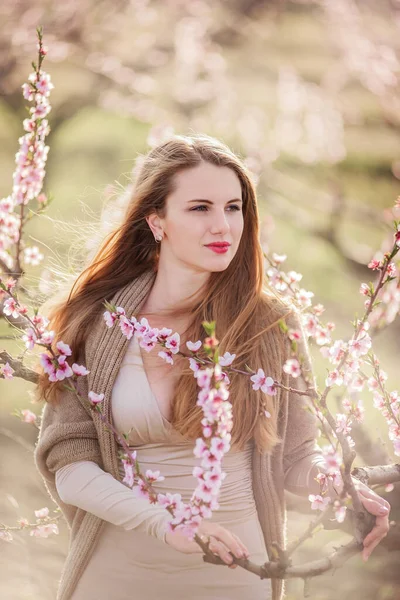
(85,485)
(300,477)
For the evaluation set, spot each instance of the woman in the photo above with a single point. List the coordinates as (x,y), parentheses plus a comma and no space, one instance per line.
(187,251)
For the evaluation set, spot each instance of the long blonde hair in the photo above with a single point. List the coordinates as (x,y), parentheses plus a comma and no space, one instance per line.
(246,313)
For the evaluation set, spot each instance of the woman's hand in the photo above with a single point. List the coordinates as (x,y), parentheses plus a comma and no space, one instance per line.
(222,542)
(380,508)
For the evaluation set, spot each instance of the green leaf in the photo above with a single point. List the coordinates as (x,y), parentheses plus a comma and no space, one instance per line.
(209,327)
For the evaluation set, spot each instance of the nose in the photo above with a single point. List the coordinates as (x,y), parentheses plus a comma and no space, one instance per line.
(220,222)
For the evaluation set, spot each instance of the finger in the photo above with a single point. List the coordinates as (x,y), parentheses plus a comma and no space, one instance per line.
(372,506)
(241,545)
(367,551)
(219,548)
(367,492)
(379,531)
(230,541)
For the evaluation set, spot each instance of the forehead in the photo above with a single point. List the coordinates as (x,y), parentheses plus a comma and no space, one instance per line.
(207,181)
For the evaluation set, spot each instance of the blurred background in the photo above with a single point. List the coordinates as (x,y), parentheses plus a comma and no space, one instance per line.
(307,93)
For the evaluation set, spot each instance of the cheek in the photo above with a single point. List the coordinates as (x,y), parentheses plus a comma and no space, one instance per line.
(238,227)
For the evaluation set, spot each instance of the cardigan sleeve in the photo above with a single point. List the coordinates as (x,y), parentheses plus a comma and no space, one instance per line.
(300,478)
(67,433)
(301,432)
(85,485)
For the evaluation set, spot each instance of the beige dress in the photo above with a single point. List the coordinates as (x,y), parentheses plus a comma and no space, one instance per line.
(133,565)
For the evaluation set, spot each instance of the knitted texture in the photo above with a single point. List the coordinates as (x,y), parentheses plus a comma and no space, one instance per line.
(71,432)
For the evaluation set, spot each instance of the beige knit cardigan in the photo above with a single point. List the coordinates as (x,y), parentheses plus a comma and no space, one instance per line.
(70,431)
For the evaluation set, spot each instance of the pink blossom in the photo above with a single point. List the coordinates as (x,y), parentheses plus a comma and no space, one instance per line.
(109,318)
(322,336)
(42,198)
(42,513)
(294,334)
(40,110)
(356,384)
(44,85)
(336,352)
(340,511)
(310,324)
(29,338)
(167,356)
(63,370)
(203,377)
(7,371)
(172,343)
(126,327)
(95,398)
(64,349)
(194,365)
(332,459)
(46,361)
(334,378)
(318,502)
(374,264)
(266,384)
(154,476)
(164,333)
(360,346)
(209,460)
(391,270)
(6,536)
(28,416)
(44,531)
(200,448)
(46,337)
(79,369)
(318,309)
(149,339)
(173,501)
(397,236)
(29,125)
(143,326)
(278,258)
(27,92)
(227,359)
(364,289)
(129,477)
(11,308)
(194,346)
(294,277)
(304,298)
(219,446)
(33,256)
(342,424)
(276,279)
(292,367)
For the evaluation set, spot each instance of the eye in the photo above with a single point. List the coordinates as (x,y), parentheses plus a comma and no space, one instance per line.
(200,208)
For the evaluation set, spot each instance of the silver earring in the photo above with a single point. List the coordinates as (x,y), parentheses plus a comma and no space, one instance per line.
(158,238)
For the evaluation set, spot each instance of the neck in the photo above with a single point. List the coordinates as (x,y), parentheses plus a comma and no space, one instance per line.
(172,285)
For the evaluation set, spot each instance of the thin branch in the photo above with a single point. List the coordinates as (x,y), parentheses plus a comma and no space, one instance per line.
(20,370)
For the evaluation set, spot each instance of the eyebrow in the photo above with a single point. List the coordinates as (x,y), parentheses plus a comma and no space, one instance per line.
(210,202)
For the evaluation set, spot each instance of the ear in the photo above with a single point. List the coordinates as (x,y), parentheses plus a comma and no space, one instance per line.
(154,222)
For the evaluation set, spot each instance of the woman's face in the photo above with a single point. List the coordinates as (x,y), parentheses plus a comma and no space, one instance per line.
(204,209)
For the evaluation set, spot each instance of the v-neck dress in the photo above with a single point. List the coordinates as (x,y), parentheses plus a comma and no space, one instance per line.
(133,565)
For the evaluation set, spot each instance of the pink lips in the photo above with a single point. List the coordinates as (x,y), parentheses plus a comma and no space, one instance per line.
(219,247)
